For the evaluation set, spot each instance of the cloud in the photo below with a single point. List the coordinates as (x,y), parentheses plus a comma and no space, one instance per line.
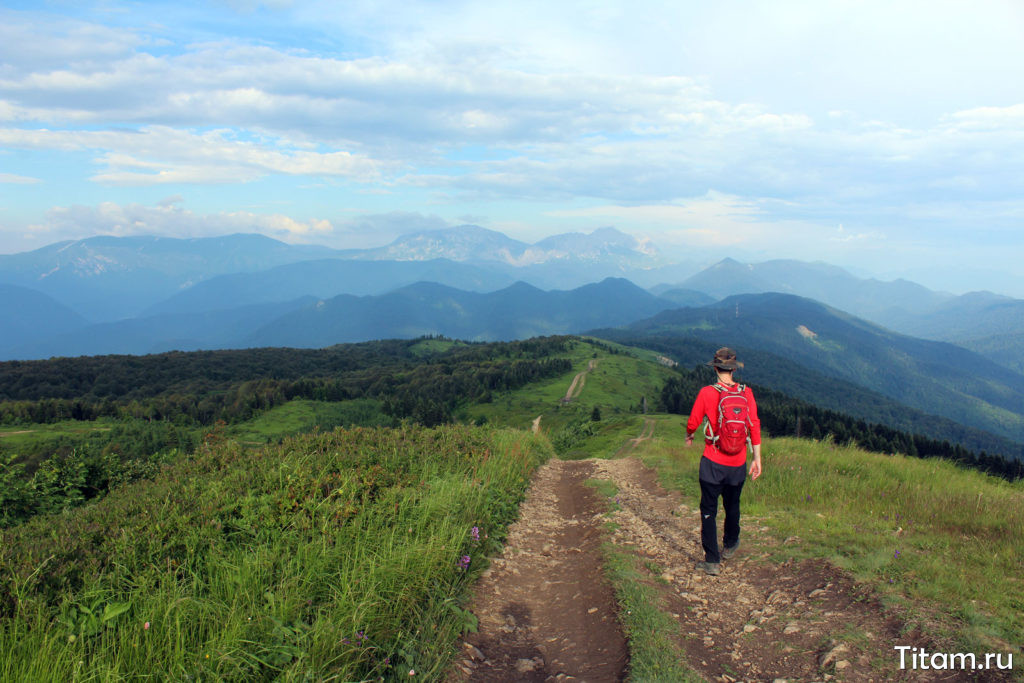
(232,112)
(169,218)
(18,179)
(159,155)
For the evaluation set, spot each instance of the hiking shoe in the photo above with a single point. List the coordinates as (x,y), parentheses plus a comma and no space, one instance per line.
(729,552)
(711,568)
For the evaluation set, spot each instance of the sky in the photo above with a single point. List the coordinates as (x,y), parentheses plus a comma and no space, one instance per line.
(885,137)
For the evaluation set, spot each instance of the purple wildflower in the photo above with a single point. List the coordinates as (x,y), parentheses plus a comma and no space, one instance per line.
(475,533)
(464,562)
(897,555)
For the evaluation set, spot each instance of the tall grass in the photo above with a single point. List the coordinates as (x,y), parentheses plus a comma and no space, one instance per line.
(334,557)
(945,543)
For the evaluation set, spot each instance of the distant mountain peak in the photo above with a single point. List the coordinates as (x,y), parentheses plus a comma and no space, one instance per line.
(607,246)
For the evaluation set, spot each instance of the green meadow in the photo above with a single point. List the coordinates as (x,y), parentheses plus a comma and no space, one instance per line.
(341,556)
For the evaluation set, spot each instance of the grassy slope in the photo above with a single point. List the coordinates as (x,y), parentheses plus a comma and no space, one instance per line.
(331,555)
(300,416)
(943,543)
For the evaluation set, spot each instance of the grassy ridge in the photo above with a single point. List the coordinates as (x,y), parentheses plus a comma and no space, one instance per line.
(944,543)
(333,555)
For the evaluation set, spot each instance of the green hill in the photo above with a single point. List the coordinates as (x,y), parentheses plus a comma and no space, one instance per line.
(350,554)
(931,377)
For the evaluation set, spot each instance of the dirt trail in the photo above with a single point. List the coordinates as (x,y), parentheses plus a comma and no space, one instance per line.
(645,434)
(545,610)
(546,613)
(578,381)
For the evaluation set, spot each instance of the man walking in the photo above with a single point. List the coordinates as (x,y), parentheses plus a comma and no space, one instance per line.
(729,413)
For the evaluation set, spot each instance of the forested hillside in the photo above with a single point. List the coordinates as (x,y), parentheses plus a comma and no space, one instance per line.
(121,418)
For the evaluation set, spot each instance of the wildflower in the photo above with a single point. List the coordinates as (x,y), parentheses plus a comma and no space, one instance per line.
(412,672)
(145,627)
(475,533)
(897,555)
(360,636)
(464,562)
(346,641)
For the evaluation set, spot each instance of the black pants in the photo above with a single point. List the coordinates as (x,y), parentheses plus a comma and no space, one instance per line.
(719,480)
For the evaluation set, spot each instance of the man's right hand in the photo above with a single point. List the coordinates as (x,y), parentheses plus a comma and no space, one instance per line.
(689,440)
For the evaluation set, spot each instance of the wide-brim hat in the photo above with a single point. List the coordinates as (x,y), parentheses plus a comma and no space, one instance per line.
(725,359)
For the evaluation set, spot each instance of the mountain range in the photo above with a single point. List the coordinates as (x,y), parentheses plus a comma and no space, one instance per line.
(424,308)
(105,279)
(145,295)
(516,312)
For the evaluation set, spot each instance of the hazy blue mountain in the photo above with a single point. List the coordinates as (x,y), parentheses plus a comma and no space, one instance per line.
(108,278)
(601,244)
(971,316)
(516,312)
(934,377)
(898,305)
(29,316)
(216,329)
(1006,350)
(884,302)
(324,279)
(471,243)
(685,298)
(461,243)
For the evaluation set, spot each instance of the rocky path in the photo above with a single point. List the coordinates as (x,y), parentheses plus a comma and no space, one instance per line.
(546,612)
(758,620)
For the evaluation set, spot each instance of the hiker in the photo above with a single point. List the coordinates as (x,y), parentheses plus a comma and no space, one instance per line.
(723,465)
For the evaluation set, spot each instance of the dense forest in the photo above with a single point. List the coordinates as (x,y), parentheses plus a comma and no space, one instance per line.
(231,386)
(165,405)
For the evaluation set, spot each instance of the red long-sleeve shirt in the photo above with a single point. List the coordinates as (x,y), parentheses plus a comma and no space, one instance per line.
(706,406)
